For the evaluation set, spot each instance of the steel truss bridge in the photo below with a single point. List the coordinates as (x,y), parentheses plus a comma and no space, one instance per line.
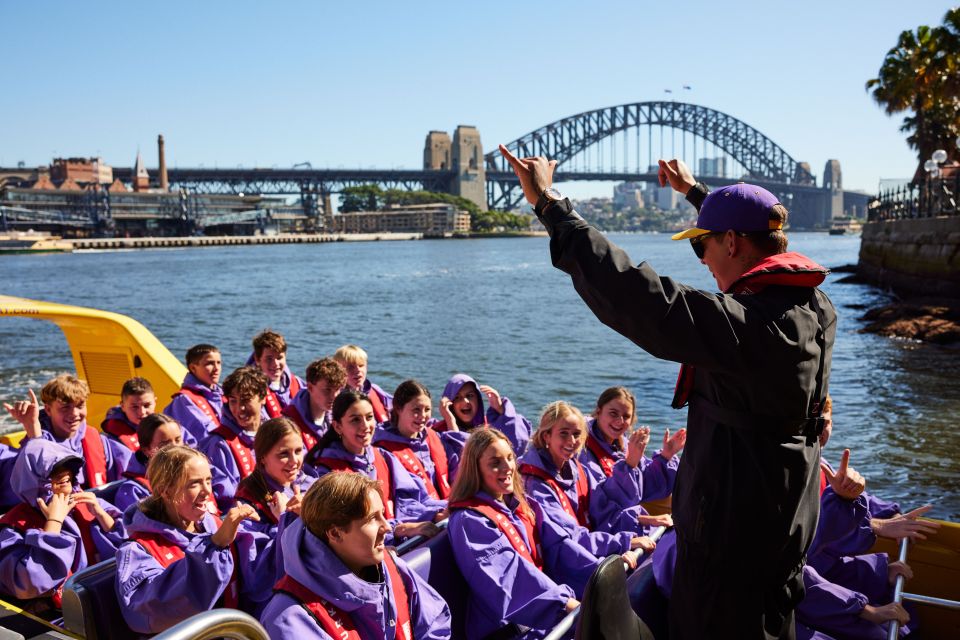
(618,143)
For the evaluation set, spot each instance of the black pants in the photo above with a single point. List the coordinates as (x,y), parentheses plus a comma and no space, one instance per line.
(719,594)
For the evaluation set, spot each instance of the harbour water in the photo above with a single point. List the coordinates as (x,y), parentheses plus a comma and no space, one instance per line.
(498,310)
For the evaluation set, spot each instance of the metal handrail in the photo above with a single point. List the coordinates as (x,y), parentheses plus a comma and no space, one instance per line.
(943,603)
(894,631)
(416,541)
(218,623)
(570,619)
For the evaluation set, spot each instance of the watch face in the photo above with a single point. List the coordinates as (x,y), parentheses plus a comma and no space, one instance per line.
(552,194)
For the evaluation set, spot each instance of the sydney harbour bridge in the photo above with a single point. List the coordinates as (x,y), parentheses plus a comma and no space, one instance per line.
(618,143)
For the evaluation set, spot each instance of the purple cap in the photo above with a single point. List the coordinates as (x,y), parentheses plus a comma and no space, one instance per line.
(739,207)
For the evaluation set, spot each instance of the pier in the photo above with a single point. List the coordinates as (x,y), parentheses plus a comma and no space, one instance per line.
(216,241)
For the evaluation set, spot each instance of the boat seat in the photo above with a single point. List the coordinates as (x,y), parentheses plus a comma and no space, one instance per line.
(647,601)
(605,612)
(434,562)
(90,605)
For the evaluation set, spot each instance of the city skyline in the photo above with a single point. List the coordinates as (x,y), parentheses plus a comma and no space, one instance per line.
(244,84)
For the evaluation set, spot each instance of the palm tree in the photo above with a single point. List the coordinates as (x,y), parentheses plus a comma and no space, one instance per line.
(922,75)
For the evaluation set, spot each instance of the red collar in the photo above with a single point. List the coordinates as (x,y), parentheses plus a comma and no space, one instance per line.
(789,269)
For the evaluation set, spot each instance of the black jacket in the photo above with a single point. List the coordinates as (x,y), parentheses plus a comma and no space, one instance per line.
(748,479)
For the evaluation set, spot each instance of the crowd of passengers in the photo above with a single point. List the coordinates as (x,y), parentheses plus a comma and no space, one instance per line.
(282,496)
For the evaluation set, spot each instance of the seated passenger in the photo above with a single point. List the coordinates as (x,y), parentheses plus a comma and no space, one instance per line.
(340,580)
(199,403)
(421,450)
(555,479)
(346,446)
(274,489)
(270,357)
(517,563)
(153,433)
(354,360)
(8,455)
(461,408)
(63,419)
(180,559)
(606,454)
(229,447)
(310,409)
(57,528)
(137,401)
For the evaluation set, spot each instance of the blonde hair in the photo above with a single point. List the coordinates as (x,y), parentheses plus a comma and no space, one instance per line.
(167,474)
(551,415)
(336,500)
(469,481)
(66,388)
(351,354)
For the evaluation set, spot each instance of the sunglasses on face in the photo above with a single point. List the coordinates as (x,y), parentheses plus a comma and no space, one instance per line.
(697,243)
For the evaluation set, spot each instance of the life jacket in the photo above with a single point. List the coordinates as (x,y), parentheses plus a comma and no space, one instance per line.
(410,462)
(379,411)
(582,512)
(274,407)
(309,436)
(338,624)
(245,494)
(604,457)
(242,454)
(166,553)
(823,480)
(506,527)
(23,517)
(201,403)
(121,431)
(94,458)
(383,476)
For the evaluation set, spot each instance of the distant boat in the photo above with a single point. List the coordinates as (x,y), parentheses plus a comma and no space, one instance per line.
(842,226)
(32,242)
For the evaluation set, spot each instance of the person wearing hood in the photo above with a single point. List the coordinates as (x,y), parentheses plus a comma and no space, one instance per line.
(461,407)
(341,581)
(275,490)
(153,433)
(555,479)
(57,528)
(63,419)
(270,357)
(605,453)
(198,405)
(137,401)
(756,370)
(347,446)
(180,559)
(354,361)
(310,409)
(229,447)
(422,451)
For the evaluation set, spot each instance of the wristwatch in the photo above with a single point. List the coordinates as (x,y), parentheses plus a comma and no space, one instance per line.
(547,197)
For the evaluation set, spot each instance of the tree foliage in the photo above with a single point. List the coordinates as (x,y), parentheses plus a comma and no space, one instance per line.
(370,197)
(921,74)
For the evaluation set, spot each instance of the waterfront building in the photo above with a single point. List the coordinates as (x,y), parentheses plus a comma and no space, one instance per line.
(431,219)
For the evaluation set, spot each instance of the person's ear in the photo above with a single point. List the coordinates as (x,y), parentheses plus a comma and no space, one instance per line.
(335,534)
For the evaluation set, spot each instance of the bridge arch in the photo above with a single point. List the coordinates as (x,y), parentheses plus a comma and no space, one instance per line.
(760,157)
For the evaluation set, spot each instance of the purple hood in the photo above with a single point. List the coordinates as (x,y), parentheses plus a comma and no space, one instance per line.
(453,388)
(31,471)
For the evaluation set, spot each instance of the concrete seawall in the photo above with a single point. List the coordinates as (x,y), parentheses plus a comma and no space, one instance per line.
(216,241)
(916,257)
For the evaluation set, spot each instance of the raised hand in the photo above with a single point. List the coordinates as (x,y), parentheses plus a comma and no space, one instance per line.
(55,511)
(27,413)
(446,412)
(89,498)
(672,445)
(493,397)
(905,525)
(227,532)
(677,174)
(846,482)
(277,503)
(536,174)
(636,445)
(294,503)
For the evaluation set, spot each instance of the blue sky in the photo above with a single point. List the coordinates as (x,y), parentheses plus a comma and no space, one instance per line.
(361,83)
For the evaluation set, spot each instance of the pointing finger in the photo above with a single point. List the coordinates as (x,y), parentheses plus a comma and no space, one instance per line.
(844,462)
(33,396)
(919,511)
(512,159)
(666,437)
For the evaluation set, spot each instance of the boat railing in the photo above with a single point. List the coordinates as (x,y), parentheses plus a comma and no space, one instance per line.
(899,595)
(412,543)
(218,623)
(563,628)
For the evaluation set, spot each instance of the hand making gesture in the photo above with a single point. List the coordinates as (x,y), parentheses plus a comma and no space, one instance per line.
(905,525)
(846,482)
(27,413)
(493,397)
(536,174)
(677,174)
(55,511)
(446,412)
(636,445)
(672,445)
(227,532)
